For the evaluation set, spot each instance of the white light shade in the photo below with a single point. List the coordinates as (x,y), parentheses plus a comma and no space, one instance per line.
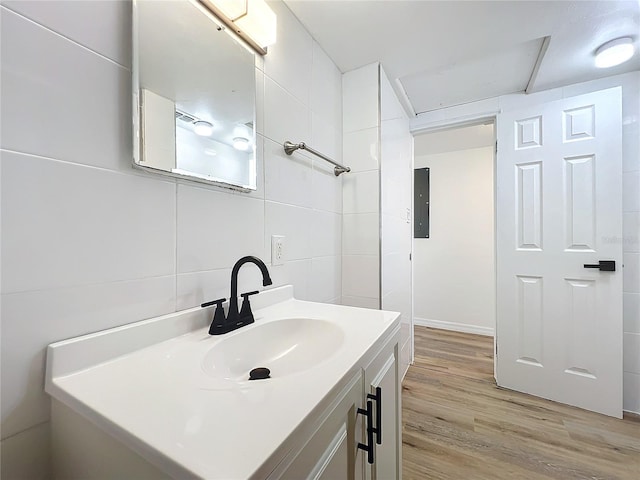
(259,23)
(232,9)
(241,143)
(614,52)
(202,128)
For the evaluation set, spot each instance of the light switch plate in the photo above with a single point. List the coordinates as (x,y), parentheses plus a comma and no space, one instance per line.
(277,249)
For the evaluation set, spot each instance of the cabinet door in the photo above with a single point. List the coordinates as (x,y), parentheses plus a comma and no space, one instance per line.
(383,373)
(332,453)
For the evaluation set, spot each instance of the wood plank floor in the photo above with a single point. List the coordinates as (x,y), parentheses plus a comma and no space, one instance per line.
(457,424)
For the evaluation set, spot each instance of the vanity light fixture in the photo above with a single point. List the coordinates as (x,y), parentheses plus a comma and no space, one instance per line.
(614,52)
(241,143)
(202,128)
(251,20)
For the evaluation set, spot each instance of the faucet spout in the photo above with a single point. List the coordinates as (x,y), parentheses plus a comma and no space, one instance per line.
(266,278)
(233,317)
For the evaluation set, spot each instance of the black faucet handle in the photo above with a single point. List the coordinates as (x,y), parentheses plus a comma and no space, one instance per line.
(214,302)
(219,319)
(246,315)
(248,294)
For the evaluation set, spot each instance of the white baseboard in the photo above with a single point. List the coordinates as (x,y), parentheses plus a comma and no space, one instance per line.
(456,327)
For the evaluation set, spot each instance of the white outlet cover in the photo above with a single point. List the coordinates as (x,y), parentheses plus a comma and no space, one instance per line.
(277,250)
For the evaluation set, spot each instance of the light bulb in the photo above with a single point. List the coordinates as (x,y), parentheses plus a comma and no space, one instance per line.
(241,143)
(614,52)
(202,128)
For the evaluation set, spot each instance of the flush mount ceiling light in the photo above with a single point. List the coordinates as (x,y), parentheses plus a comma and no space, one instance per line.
(202,128)
(241,143)
(251,20)
(614,52)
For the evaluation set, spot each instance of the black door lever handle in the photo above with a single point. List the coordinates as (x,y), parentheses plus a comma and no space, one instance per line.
(603,265)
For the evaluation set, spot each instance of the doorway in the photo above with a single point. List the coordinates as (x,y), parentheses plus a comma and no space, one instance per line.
(454,240)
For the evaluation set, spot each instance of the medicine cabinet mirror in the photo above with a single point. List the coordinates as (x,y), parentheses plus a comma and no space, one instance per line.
(193,95)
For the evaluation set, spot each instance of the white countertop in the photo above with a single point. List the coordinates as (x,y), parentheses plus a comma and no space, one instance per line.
(151,392)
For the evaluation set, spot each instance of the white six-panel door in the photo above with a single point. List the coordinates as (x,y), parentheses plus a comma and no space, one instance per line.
(559,207)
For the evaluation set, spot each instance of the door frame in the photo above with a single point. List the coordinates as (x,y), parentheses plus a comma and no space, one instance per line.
(479,118)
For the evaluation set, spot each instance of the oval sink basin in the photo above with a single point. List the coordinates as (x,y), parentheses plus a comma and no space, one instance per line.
(284,346)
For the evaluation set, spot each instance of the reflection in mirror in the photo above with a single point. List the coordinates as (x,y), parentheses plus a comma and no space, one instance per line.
(194,95)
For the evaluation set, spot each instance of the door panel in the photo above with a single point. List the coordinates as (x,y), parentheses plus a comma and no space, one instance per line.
(559,200)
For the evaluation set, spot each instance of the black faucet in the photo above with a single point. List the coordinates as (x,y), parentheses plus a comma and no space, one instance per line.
(235,319)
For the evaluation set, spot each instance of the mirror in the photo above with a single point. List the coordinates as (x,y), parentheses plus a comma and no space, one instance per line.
(194,95)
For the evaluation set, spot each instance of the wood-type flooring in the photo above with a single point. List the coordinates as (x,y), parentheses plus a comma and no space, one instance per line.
(458,425)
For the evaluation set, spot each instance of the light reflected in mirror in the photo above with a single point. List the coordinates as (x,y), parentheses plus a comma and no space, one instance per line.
(194,95)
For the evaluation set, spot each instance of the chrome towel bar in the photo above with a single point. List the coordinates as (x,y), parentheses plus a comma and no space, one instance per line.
(289,148)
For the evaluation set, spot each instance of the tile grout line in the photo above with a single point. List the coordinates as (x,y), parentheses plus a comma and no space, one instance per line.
(70,40)
(39,424)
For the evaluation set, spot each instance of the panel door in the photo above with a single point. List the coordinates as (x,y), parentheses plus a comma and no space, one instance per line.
(559,207)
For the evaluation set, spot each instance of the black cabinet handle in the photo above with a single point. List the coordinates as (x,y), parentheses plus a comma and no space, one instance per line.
(378,428)
(603,265)
(368,448)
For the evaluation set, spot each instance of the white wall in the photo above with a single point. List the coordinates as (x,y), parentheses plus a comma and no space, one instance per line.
(361,192)
(89,243)
(630,84)
(454,269)
(396,180)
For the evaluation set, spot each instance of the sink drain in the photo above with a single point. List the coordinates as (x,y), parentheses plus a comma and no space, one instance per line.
(259,373)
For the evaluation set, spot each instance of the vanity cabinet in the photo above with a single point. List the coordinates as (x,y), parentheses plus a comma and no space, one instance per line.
(332,452)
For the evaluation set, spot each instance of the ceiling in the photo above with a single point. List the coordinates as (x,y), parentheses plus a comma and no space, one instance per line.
(443,53)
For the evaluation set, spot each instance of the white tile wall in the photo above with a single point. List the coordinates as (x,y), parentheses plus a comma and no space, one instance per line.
(326,234)
(631,346)
(295,223)
(214,227)
(360,228)
(326,87)
(361,234)
(360,103)
(325,282)
(26,455)
(360,192)
(47,93)
(360,149)
(631,392)
(285,116)
(362,302)
(90,243)
(85,23)
(326,188)
(631,241)
(361,276)
(33,319)
(290,61)
(66,225)
(287,179)
(631,235)
(631,308)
